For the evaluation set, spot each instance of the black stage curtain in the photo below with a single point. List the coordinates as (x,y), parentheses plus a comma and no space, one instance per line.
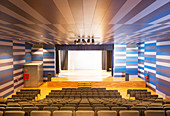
(64,59)
(57,62)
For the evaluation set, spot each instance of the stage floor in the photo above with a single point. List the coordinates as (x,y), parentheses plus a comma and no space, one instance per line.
(82,75)
(94,79)
(90,76)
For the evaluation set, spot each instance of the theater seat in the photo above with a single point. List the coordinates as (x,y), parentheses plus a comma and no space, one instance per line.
(2,108)
(168,113)
(68,108)
(118,108)
(29,109)
(84,108)
(84,113)
(13,108)
(62,113)
(14,113)
(107,113)
(1,113)
(154,113)
(40,113)
(129,113)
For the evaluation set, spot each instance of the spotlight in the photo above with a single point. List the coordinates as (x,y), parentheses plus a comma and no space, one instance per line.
(93,39)
(78,41)
(83,39)
(88,40)
(75,42)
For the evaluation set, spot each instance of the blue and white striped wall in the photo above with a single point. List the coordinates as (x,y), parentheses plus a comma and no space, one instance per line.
(37,54)
(48,60)
(28,55)
(119,60)
(125,60)
(45,55)
(154,60)
(12,59)
(150,63)
(18,63)
(141,49)
(163,68)
(132,61)
(6,68)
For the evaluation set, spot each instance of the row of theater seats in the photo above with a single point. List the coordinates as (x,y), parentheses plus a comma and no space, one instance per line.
(141,94)
(84,93)
(28,94)
(75,104)
(87,113)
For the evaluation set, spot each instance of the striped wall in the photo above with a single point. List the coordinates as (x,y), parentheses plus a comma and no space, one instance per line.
(154,60)
(119,60)
(141,49)
(150,63)
(6,68)
(37,54)
(45,55)
(163,68)
(18,63)
(48,61)
(125,60)
(132,61)
(28,55)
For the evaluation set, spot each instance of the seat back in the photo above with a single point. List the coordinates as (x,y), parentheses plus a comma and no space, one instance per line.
(13,108)
(101,108)
(154,113)
(14,113)
(29,109)
(68,108)
(128,113)
(168,113)
(62,113)
(40,113)
(84,113)
(118,108)
(50,109)
(1,113)
(84,108)
(107,113)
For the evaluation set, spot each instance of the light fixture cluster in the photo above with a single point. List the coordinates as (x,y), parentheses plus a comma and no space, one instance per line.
(84,40)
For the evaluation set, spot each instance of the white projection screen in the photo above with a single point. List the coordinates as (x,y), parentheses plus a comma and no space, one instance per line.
(85,60)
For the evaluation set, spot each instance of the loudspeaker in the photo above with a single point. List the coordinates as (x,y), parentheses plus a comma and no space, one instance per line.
(127,77)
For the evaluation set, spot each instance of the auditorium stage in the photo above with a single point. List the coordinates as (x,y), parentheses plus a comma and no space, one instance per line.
(94,79)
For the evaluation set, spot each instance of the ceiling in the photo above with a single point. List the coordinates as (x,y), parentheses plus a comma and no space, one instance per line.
(110,21)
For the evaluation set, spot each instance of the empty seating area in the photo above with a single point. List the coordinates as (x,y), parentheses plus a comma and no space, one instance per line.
(84,93)
(84,102)
(141,94)
(26,94)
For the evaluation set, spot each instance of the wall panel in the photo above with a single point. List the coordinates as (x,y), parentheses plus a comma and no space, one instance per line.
(150,63)
(18,63)
(163,67)
(48,60)
(6,68)
(119,60)
(132,61)
(154,60)
(28,55)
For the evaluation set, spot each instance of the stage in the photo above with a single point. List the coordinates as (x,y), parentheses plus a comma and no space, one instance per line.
(94,79)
